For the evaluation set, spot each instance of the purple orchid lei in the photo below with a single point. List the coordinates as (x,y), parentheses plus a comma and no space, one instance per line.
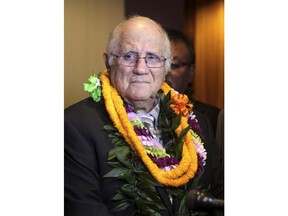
(198,139)
(157,152)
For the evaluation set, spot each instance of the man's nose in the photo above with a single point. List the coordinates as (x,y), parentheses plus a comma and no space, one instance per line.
(141,66)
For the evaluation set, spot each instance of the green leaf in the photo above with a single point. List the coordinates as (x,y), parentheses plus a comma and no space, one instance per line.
(96,94)
(140,204)
(111,154)
(115,140)
(116,172)
(93,79)
(195,182)
(129,190)
(179,140)
(122,154)
(120,143)
(151,195)
(146,176)
(176,122)
(93,87)
(120,207)
(88,87)
(182,207)
(163,120)
(146,208)
(128,177)
(178,152)
(110,128)
(118,196)
(114,164)
(113,136)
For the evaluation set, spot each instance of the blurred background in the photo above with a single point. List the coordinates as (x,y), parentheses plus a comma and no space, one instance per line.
(87,24)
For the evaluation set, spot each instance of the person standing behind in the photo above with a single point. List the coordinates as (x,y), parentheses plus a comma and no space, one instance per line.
(181,75)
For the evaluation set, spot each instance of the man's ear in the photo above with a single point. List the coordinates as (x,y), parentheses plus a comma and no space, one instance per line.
(106,60)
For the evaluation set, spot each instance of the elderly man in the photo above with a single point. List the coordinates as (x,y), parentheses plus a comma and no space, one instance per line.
(135,147)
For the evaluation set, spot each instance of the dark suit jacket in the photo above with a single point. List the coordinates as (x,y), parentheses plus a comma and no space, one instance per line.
(86,149)
(210,111)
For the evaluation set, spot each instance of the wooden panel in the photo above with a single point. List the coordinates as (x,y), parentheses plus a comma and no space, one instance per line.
(205,25)
(87,24)
(168,13)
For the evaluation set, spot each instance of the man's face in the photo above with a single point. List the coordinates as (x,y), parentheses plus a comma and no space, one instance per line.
(181,73)
(139,82)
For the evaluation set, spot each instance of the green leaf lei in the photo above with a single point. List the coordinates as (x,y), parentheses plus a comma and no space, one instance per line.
(139,186)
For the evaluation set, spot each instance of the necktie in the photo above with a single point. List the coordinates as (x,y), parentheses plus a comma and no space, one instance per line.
(148,120)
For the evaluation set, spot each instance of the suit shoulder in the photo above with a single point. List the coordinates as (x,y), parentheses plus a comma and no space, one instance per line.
(204,107)
(86,109)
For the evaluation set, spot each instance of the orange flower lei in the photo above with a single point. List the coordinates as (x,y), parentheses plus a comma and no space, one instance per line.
(189,162)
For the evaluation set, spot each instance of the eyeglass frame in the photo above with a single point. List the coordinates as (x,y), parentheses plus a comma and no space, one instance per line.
(163,59)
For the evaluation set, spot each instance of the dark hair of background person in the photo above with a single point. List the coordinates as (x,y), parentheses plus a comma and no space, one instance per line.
(176,36)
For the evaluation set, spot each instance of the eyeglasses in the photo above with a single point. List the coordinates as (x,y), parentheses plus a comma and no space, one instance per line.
(176,65)
(130,59)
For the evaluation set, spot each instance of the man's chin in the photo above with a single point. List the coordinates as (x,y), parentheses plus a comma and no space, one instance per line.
(139,96)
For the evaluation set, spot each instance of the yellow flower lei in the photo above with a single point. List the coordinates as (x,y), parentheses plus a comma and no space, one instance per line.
(116,110)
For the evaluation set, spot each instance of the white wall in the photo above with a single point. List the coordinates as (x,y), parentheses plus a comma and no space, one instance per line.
(87,24)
